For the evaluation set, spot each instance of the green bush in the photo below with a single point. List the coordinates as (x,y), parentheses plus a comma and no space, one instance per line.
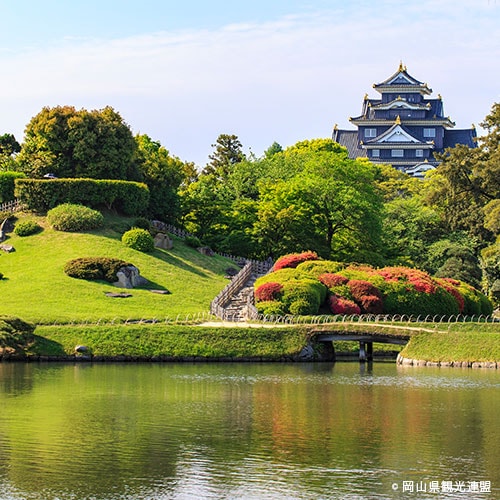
(7,185)
(73,218)
(95,268)
(318,267)
(143,223)
(138,239)
(40,195)
(271,308)
(302,307)
(192,241)
(308,290)
(27,228)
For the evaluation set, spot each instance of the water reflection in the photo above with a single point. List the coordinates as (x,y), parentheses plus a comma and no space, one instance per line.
(280,431)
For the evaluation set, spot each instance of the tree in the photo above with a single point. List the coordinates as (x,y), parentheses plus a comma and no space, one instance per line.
(163,175)
(8,148)
(69,143)
(228,152)
(272,150)
(328,204)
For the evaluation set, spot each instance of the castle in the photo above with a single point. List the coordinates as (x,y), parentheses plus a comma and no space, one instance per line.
(403,127)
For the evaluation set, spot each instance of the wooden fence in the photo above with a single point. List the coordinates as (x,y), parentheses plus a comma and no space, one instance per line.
(11,206)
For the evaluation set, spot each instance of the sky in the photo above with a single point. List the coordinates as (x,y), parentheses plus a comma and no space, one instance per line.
(185,71)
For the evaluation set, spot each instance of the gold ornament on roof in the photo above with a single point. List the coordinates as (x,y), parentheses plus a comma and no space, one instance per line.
(398,120)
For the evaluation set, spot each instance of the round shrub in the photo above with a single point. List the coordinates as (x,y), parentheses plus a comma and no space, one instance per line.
(339,305)
(72,218)
(192,241)
(318,267)
(311,291)
(302,307)
(271,308)
(268,291)
(332,279)
(27,228)
(143,223)
(139,239)
(95,268)
(294,259)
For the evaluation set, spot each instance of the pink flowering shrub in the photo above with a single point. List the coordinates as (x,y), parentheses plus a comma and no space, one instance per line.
(339,305)
(268,291)
(371,304)
(294,259)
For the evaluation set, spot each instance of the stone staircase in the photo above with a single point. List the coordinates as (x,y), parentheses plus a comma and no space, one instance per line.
(236,309)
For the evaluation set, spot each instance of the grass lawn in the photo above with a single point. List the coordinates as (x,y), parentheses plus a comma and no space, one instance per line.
(36,288)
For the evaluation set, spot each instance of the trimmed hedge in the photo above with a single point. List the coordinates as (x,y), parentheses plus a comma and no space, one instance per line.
(74,218)
(40,195)
(95,268)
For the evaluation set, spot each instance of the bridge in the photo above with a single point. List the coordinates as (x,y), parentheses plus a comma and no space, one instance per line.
(365,340)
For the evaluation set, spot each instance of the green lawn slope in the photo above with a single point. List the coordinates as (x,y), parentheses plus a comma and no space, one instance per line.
(36,288)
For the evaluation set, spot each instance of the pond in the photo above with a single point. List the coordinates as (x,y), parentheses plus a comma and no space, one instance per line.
(248,430)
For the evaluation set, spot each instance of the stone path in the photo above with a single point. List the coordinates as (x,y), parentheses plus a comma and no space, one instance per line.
(236,309)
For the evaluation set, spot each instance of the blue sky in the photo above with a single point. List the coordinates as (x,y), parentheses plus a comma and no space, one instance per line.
(184,72)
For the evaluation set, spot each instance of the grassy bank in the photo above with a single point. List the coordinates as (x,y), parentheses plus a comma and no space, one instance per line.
(159,341)
(458,345)
(36,288)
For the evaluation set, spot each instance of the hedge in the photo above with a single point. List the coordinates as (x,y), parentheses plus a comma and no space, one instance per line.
(40,195)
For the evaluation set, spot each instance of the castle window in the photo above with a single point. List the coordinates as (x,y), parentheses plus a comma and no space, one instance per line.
(370,132)
(419,153)
(397,153)
(375,153)
(429,132)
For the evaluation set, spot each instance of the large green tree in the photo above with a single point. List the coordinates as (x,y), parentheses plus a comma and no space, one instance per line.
(228,152)
(163,174)
(9,147)
(78,143)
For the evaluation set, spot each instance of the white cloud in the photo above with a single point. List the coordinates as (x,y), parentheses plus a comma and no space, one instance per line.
(285,80)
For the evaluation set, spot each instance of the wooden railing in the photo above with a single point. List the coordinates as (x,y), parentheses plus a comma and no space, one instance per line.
(11,206)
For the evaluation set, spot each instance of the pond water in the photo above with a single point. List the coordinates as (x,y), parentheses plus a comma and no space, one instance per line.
(248,431)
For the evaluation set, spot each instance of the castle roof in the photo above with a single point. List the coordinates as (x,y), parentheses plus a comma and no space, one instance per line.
(402,81)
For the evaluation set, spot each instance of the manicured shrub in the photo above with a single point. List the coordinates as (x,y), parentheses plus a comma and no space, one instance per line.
(27,228)
(302,307)
(143,223)
(95,268)
(371,304)
(282,276)
(332,279)
(73,218)
(271,308)
(311,291)
(129,198)
(294,259)
(339,305)
(192,241)
(318,267)
(268,291)
(450,285)
(138,239)
(360,288)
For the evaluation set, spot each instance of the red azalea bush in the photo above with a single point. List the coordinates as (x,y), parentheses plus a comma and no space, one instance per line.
(371,304)
(332,279)
(268,291)
(339,305)
(300,282)
(450,285)
(294,259)
(360,288)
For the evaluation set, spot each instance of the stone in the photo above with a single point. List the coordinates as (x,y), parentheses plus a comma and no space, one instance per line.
(163,241)
(206,251)
(129,277)
(161,292)
(7,248)
(82,349)
(118,295)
